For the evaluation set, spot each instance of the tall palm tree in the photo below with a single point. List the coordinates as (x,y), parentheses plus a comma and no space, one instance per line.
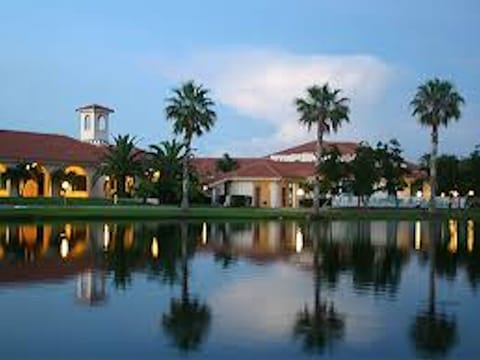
(436,103)
(188,320)
(325,108)
(120,161)
(191,110)
(321,326)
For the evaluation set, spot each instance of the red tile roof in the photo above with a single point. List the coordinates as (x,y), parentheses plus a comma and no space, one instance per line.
(310,147)
(265,168)
(29,146)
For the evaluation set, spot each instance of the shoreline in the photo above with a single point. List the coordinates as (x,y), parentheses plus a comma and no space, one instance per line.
(139,212)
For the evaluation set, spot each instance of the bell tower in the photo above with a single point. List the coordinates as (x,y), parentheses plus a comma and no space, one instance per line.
(94,123)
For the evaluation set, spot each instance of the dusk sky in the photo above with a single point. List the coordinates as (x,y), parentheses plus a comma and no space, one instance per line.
(255,55)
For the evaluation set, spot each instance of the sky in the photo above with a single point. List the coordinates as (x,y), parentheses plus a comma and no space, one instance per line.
(256,57)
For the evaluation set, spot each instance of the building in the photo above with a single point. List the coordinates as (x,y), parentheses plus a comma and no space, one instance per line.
(51,155)
(280,179)
(276,180)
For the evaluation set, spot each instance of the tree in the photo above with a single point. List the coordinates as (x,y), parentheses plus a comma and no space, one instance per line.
(363,169)
(191,110)
(22,171)
(448,173)
(120,161)
(226,163)
(323,107)
(165,169)
(392,167)
(333,170)
(436,103)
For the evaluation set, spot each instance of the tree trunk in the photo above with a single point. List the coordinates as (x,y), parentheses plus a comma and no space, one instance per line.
(316,186)
(185,176)
(433,167)
(121,186)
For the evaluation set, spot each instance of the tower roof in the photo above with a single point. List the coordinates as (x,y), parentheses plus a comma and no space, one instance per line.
(94,107)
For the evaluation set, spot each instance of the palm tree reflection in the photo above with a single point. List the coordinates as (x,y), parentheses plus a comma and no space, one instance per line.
(434,332)
(321,326)
(188,320)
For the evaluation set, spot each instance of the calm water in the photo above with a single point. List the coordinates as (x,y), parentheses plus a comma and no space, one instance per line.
(236,290)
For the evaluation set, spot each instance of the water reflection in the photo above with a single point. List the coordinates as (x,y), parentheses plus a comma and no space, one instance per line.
(434,331)
(320,326)
(363,258)
(188,319)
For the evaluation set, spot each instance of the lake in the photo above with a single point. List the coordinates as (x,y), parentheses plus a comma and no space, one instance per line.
(237,290)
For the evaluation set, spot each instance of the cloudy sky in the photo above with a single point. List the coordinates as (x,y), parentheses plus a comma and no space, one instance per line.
(255,55)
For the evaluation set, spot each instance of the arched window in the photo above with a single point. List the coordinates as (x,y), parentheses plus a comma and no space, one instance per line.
(101,123)
(86,122)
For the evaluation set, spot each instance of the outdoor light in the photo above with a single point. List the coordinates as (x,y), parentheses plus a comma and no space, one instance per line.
(442,195)
(156,175)
(65,185)
(107,178)
(154,247)
(455,193)
(471,193)
(64,248)
(205,187)
(419,194)
(300,192)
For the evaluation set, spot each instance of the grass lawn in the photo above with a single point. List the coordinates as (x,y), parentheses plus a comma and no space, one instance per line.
(92,209)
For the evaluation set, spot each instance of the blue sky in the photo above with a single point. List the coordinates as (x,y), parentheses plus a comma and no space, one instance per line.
(255,56)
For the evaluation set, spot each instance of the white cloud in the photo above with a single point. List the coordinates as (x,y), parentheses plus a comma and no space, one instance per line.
(262,84)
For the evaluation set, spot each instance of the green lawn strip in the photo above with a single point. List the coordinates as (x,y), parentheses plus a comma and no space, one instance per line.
(93,212)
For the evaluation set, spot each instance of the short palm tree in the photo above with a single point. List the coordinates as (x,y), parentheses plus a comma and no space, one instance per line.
(120,161)
(436,103)
(325,108)
(166,159)
(191,110)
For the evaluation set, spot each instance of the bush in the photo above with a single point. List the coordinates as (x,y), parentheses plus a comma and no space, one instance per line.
(240,201)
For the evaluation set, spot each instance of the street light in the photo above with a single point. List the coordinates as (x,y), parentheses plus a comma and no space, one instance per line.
(65,188)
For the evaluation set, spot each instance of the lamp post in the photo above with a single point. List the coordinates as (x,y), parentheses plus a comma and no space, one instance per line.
(65,187)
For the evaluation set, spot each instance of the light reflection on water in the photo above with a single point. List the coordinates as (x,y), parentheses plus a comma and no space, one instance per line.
(286,289)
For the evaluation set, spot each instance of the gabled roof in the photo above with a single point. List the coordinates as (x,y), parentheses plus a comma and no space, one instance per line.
(94,106)
(30,146)
(310,147)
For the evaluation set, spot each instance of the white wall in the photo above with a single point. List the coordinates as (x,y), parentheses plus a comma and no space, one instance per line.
(245,188)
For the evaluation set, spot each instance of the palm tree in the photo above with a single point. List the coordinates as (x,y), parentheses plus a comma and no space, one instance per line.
(165,160)
(436,103)
(323,325)
(324,107)
(120,161)
(191,111)
(188,320)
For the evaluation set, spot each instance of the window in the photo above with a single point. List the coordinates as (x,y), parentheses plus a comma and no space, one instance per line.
(86,122)
(102,123)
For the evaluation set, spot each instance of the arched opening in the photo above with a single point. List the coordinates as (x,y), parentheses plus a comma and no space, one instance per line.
(101,123)
(38,182)
(77,179)
(4,191)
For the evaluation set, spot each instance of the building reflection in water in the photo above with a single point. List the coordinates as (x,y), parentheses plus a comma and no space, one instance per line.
(91,287)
